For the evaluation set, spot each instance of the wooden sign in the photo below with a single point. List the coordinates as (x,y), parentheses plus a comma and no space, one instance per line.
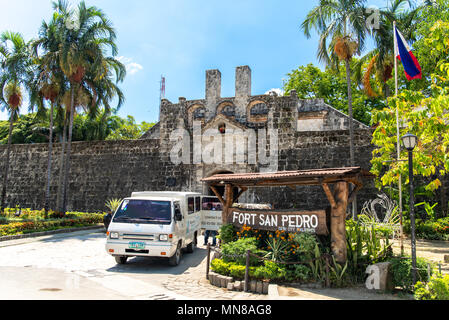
(291,221)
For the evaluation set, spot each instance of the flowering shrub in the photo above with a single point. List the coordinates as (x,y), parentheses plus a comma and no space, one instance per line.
(430,229)
(77,220)
(436,289)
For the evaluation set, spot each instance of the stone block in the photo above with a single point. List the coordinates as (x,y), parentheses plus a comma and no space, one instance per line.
(238,285)
(446,258)
(265,285)
(230,286)
(259,287)
(379,277)
(252,285)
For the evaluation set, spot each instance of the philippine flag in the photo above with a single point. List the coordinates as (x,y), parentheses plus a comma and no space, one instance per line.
(409,61)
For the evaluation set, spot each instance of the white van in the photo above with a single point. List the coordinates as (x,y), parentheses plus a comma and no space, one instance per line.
(155,224)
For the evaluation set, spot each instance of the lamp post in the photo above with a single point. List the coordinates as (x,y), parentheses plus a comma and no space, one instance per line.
(409,141)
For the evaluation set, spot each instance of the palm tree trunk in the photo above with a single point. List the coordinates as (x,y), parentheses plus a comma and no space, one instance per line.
(50,149)
(8,153)
(67,160)
(351,124)
(61,167)
(351,129)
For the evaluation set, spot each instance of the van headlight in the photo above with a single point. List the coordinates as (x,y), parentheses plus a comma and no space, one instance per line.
(163,237)
(114,235)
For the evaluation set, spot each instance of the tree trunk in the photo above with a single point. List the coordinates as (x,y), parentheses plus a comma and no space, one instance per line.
(8,153)
(67,160)
(338,218)
(50,149)
(351,129)
(61,167)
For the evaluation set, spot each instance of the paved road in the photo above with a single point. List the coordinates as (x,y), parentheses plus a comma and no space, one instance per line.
(76,266)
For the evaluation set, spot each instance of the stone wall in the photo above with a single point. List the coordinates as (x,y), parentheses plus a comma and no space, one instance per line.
(109,169)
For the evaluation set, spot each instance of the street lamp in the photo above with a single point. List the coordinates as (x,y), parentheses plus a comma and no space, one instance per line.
(409,141)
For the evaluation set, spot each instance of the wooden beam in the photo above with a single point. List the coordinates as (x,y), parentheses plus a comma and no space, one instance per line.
(242,189)
(220,198)
(329,194)
(229,197)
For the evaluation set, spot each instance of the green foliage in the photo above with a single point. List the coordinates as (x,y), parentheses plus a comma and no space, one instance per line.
(430,230)
(429,209)
(436,289)
(227,233)
(312,83)
(236,251)
(113,204)
(31,128)
(338,273)
(401,269)
(297,272)
(270,270)
(32,221)
(232,269)
(277,249)
(364,248)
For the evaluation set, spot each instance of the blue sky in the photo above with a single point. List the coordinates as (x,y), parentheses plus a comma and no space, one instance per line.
(182,39)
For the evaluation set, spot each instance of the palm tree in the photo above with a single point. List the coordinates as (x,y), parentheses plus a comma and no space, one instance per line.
(50,84)
(86,35)
(381,59)
(16,74)
(341,25)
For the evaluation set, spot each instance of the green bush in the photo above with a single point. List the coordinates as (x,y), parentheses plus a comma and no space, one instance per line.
(16,228)
(227,233)
(436,289)
(401,269)
(270,270)
(297,272)
(236,251)
(220,266)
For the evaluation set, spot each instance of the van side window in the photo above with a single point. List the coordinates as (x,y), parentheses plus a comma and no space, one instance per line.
(211,203)
(197,204)
(191,205)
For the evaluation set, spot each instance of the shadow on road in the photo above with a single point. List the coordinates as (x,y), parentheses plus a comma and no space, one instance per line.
(150,265)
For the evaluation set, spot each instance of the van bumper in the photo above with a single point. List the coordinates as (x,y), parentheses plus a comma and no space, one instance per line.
(121,248)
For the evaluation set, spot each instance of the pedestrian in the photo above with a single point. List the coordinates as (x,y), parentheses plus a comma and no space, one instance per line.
(210,233)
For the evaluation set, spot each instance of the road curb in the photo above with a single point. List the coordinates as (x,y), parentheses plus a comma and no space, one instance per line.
(48,233)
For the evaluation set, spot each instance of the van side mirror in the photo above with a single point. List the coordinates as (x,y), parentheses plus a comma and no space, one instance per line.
(178,215)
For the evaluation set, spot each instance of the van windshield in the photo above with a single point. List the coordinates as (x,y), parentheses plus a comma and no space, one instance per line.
(144,211)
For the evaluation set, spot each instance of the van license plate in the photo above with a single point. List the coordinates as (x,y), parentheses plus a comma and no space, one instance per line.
(137,245)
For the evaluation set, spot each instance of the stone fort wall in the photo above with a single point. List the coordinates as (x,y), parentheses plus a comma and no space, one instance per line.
(114,169)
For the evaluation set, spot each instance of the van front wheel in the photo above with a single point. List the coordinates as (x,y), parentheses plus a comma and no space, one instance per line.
(176,258)
(121,260)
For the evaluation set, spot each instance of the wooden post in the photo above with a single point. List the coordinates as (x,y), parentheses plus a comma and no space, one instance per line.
(208,261)
(338,218)
(229,198)
(246,286)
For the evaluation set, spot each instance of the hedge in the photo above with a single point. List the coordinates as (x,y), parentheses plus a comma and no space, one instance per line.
(17,228)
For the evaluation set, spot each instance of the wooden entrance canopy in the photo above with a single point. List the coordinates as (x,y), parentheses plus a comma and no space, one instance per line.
(339,196)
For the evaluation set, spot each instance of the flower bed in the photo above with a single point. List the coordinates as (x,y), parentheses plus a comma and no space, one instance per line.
(30,221)
(430,229)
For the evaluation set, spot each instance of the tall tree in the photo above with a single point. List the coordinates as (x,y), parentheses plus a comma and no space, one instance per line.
(50,84)
(381,59)
(16,75)
(341,25)
(86,36)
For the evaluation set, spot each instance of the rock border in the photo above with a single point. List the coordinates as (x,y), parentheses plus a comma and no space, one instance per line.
(218,280)
(50,232)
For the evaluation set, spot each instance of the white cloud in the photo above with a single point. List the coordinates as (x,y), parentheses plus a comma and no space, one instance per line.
(131,67)
(278,91)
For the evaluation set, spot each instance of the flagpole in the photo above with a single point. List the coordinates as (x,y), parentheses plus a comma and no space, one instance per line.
(398,137)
